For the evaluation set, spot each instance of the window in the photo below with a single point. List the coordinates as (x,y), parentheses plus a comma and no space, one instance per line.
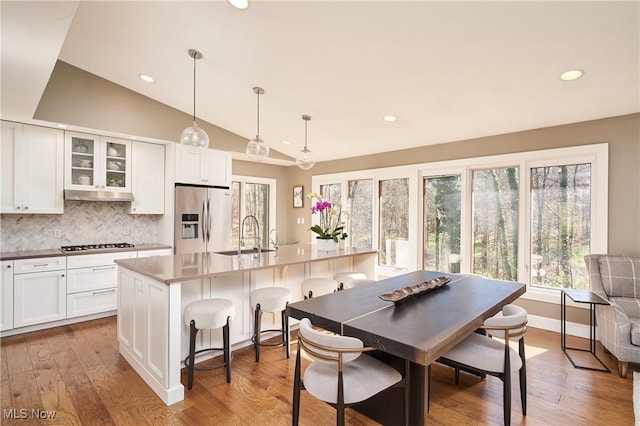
(495,223)
(255,197)
(332,192)
(393,232)
(528,217)
(360,212)
(560,225)
(441,228)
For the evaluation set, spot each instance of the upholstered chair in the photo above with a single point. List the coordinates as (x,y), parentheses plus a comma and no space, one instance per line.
(617,279)
(481,354)
(339,373)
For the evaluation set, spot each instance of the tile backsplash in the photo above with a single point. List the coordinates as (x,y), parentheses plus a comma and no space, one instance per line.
(82,223)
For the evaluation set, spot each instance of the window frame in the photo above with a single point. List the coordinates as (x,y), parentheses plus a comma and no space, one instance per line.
(596,154)
(272,215)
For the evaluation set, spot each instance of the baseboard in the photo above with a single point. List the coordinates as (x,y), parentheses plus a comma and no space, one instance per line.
(550,324)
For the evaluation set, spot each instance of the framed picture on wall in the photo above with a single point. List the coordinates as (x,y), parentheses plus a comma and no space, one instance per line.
(298,196)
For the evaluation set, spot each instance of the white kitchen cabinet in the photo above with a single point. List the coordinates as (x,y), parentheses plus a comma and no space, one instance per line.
(97,163)
(6,295)
(92,282)
(147,178)
(32,169)
(39,296)
(211,167)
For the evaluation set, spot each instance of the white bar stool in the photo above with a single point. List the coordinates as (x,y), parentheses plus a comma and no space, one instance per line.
(356,283)
(344,277)
(208,314)
(270,299)
(318,287)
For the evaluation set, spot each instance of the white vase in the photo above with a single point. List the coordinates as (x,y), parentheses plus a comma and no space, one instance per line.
(326,245)
(342,244)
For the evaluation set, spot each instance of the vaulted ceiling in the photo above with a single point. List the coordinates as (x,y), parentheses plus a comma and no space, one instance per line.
(447,70)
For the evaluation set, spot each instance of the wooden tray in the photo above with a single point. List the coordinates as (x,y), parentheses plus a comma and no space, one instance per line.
(405,293)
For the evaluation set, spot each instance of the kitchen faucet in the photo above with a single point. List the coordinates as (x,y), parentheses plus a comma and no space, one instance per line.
(274,241)
(256,235)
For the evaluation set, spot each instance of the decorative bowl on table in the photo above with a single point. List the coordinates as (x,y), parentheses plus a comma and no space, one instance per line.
(405,293)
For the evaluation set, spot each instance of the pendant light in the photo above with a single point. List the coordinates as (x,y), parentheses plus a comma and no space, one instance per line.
(256,148)
(305,159)
(193,138)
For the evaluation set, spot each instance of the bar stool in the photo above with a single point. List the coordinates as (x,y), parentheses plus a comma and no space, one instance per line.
(208,314)
(270,299)
(344,277)
(356,283)
(318,287)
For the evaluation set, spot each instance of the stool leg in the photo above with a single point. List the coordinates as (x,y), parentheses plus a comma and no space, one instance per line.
(226,349)
(192,352)
(285,331)
(257,323)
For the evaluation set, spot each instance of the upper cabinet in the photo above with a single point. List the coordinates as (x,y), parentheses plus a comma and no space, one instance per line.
(147,180)
(97,163)
(211,167)
(32,169)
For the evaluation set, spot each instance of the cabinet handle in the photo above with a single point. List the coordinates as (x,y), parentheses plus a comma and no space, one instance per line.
(104,268)
(26,207)
(112,290)
(8,266)
(40,265)
(61,275)
(18,207)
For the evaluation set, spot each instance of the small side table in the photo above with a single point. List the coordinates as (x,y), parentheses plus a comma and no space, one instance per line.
(581,296)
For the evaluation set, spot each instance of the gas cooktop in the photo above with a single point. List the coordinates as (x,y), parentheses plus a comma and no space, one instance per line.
(96,247)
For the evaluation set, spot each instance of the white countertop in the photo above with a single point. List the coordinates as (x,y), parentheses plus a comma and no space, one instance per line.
(185,267)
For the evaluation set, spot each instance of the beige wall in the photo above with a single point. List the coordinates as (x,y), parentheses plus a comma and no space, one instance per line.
(79,98)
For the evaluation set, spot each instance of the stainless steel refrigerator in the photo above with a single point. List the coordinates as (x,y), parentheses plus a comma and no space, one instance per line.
(202,219)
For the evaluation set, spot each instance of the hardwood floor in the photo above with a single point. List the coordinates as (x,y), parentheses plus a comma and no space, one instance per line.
(76,372)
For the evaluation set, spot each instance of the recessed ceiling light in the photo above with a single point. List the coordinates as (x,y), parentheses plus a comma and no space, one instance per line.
(390,118)
(286,142)
(571,75)
(239,4)
(146,78)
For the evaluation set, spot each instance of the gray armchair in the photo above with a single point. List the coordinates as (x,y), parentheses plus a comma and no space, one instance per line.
(617,279)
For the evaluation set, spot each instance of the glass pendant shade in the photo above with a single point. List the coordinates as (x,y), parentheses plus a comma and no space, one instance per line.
(305,160)
(194,139)
(257,150)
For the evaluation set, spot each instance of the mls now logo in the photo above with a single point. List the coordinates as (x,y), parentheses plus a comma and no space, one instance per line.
(23,413)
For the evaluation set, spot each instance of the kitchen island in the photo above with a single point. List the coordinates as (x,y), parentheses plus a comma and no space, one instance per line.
(153,293)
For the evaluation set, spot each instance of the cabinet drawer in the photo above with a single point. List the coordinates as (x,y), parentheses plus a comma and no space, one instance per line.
(159,252)
(100,259)
(91,302)
(41,264)
(99,277)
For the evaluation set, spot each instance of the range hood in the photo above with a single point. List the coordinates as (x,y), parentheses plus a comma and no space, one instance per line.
(74,195)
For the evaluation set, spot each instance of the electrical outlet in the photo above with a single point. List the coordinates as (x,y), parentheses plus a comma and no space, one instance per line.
(57,233)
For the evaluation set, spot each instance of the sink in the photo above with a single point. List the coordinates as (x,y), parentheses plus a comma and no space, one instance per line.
(244,251)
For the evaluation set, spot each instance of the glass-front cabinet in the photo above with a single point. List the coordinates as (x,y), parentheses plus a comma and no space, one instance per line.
(97,163)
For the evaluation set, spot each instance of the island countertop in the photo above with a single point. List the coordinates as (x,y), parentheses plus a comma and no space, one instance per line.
(192,266)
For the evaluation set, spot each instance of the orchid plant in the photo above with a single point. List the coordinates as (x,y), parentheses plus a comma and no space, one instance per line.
(330,226)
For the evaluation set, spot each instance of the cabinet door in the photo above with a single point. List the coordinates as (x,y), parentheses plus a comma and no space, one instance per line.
(6,295)
(11,201)
(32,169)
(82,160)
(187,166)
(43,172)
(115,170)
(147,180)
(39,297)
(216,168)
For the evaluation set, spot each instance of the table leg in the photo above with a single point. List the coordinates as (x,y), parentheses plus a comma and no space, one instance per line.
(419,382)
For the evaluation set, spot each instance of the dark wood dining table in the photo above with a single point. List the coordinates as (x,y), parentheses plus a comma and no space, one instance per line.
(416,332)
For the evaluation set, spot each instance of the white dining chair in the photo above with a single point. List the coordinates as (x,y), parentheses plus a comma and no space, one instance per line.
(343,278)
(339,373)
(481,354)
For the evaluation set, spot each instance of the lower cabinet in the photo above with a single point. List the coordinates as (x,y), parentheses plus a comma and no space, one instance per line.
(92,283)
(6,295)
(39,297)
